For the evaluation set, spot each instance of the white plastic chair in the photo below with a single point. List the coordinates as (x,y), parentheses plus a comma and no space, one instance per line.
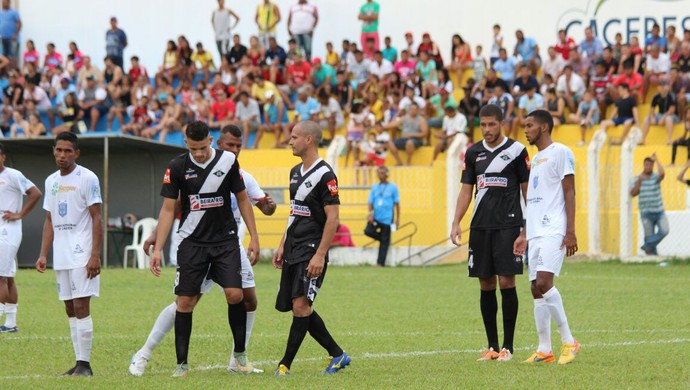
(142,229)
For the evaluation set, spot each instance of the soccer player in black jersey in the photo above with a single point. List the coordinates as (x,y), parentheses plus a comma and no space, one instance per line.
(498,168)
(204,180)
(303,252)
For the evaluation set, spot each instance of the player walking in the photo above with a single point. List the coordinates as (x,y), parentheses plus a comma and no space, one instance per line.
(303,251)
(498,168)
(550,232)
(13,185)
(74,227)
(204,180)
(230,140)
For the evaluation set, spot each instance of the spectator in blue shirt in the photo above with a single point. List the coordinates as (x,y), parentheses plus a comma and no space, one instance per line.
(306,107)
(528,50)
(505,66)
(115,43)
(322,74)
(389,52)
(384,198)
(10,25)
(654,38)
(591,45)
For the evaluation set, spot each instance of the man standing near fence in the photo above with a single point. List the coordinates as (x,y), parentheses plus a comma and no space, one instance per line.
(498,167)
(651,205)
(383,199)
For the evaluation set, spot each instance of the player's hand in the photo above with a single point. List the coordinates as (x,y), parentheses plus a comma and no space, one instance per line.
(266,204)
(253,250)
(456,235)
(9,216)
(156,263)
(520,245)
(315,267)
(149,243)
(278,258)
(569,243)
(93,266)
(41,264)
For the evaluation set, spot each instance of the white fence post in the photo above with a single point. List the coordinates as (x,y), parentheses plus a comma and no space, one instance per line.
(334,150)
(626,173)
(593,151)
(457,148)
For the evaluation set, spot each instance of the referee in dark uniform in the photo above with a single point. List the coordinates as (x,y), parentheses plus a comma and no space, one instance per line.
(204,180)
(499,169)
(303,251)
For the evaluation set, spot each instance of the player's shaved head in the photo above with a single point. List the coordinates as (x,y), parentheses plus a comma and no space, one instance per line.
(311,128)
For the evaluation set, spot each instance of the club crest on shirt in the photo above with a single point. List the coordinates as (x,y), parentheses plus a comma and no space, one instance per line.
(166,177)
(333,187)
(505,157)
(308,184)
(219,173)
(62,209)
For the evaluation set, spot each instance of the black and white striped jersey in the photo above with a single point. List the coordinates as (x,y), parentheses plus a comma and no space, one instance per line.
(497,174)
(310,192)
(205,191)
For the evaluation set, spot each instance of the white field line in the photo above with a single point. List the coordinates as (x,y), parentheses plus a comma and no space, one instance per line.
(368,355)
(142,336)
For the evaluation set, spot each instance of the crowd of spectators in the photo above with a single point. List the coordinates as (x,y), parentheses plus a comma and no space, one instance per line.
(386,97)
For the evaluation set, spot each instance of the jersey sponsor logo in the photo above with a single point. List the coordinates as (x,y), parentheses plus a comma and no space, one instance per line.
(58,189)
(302,211)
(78,249)
(480,158)
(529,165)
(190,174)
(540,161)
(333,187)
(166,177)
(219,173)
(535,182)
(95,191)
(197,203)
(62,209)
(2,182)
(491,181)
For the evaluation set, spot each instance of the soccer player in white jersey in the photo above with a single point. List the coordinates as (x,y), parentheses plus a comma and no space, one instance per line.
(13,185)
(230,140)
(74,227)
(550,232)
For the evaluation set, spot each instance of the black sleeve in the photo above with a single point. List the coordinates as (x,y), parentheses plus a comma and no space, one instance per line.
(171,182)
(235,177)
(523,166)
(328,189)
(655,101)
(468,175)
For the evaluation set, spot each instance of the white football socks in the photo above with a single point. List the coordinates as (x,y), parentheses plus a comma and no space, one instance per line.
(10,315)
(75,337)
(85,334)
(164,323)
(251,315)
(555,304)
(542,319)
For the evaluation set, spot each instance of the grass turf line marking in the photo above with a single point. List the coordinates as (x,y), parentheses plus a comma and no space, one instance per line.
(368,355)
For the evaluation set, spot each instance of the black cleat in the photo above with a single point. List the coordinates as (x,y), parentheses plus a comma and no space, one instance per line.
(82,370)
(69,372)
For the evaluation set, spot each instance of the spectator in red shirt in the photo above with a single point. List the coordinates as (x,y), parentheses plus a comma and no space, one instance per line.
(137,70)
(431,47)
(52,58)
(31,55)
(342,237)
(222,111)
(297,73)
(565,44)
(630,77)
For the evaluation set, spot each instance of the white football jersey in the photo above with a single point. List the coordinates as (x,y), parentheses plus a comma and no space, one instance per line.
(253,191)
(68,198)
(545,202)
(13,186)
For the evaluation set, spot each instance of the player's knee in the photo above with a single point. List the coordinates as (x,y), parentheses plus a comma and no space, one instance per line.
(250,303)
(301,307)
(233,295)
(543,286)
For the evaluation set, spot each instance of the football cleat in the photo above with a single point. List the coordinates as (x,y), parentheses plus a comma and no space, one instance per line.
(487,355)
(569,352)
(337,363)
(82,370)
(232,367)
(181,371)
(282,371)
(4,329)
(504,355)
(539,357)
(242,365)
(137,365)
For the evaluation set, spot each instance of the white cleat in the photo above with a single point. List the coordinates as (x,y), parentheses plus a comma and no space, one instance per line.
(137,365)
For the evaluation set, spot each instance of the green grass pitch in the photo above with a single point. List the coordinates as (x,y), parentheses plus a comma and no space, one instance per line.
(414,328)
